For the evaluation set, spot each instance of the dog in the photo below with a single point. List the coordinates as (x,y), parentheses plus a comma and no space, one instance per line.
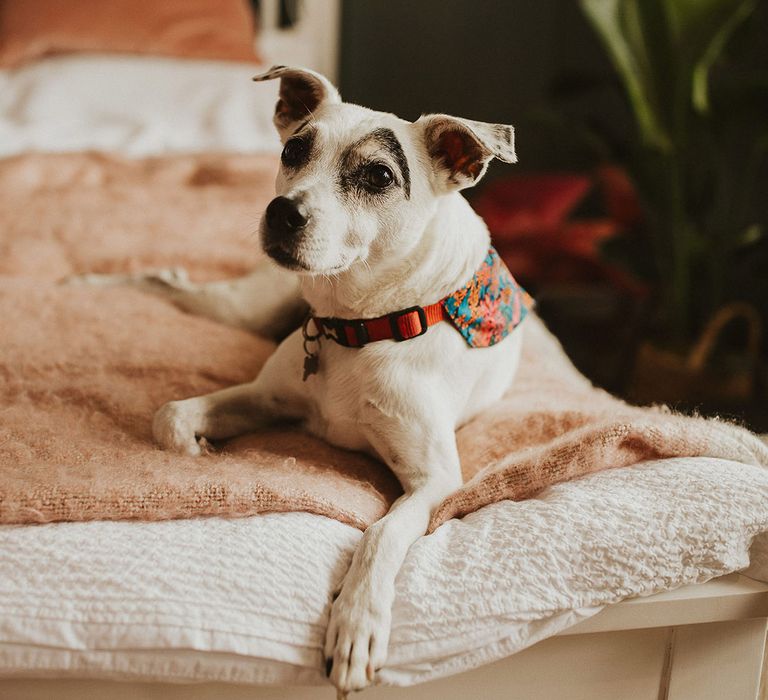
(370,232)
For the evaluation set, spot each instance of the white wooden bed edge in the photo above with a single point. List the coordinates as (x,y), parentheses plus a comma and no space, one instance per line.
(701,642)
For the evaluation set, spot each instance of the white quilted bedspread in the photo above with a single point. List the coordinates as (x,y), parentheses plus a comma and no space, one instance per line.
(247,600)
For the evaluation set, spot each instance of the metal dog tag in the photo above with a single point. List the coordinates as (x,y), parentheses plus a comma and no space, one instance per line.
(311,365)
(311,359)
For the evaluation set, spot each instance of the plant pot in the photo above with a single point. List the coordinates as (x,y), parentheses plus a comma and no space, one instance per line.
(664,376)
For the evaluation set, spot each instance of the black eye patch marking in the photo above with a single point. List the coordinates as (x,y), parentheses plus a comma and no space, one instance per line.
(298,149)
(353,170)
(387,138)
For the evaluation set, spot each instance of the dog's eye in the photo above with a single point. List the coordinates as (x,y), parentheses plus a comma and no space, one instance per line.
(294,152)
(379,176)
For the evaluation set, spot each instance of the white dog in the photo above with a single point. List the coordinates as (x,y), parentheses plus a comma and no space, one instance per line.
(369,215)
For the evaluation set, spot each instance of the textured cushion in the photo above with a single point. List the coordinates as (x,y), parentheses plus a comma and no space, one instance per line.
(247,600)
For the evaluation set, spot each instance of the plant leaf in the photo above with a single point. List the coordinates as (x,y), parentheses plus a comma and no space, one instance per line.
(701,29)
(618,23)
(664,50)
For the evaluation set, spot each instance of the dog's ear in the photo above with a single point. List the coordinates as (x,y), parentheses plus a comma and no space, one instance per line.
(301,92)
(461,149)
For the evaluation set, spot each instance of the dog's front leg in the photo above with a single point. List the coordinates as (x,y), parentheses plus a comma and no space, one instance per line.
(423,455)
(275,394)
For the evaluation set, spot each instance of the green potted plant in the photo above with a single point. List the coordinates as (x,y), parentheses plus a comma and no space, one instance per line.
(702,139)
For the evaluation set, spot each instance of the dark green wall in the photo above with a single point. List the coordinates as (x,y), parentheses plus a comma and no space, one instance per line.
(483,59)
(501,61)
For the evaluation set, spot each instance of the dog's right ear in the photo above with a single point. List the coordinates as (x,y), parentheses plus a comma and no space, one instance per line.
(302,91)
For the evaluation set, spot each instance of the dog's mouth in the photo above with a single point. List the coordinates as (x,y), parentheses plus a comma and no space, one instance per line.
(291,262)
(285,259)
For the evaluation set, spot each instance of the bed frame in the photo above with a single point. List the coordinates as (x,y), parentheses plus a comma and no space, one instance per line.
(312,41)
(703,642)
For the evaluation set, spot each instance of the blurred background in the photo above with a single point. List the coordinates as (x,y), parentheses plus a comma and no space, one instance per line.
(637,214)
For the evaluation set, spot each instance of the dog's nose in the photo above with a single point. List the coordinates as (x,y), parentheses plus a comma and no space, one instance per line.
(285,216)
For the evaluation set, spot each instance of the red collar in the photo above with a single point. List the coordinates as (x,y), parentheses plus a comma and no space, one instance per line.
(399,325)
(354,333)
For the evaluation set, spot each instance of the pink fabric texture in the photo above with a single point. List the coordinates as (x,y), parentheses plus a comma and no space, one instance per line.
(82,370)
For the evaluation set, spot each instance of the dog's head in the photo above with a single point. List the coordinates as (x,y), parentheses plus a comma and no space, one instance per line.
(358,186)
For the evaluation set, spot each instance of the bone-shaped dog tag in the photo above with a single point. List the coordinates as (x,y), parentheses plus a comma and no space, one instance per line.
(311,365)
(311,359)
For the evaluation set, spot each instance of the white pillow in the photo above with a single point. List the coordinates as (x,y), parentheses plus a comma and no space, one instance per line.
(135,105)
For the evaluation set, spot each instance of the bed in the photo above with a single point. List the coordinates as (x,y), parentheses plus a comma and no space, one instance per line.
(486,606)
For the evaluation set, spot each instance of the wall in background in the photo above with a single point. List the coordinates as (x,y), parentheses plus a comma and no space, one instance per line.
(483,59)
(494,60)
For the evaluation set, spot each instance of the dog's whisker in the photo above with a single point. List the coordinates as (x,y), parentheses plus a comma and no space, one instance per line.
(311,117)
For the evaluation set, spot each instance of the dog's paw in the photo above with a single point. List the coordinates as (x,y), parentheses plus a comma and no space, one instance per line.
(357,638)
(168,276)
(174,428)
(91,280)
(173,277)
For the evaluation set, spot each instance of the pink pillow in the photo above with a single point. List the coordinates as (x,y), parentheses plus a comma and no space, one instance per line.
(212,29)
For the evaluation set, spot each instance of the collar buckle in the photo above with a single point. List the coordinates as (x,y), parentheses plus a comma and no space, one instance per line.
(361,332)
(397,331)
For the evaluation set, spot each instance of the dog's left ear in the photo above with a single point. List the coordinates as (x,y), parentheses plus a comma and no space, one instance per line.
(302,91)
(461,149)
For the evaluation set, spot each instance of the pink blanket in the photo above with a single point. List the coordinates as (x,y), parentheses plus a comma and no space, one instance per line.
(83,369)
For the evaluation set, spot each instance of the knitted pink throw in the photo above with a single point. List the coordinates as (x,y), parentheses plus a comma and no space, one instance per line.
(82,369)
